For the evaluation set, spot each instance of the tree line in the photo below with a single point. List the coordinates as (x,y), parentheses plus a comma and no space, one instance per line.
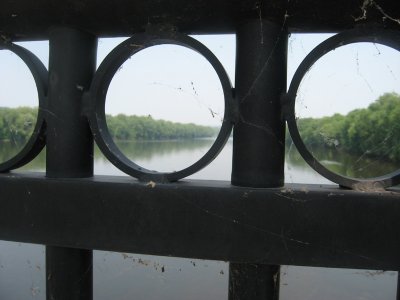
(136,128)
(17,124)
(372,131)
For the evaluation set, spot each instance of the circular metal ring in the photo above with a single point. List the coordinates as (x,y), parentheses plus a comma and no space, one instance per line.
(361,34)
(37,140)
(100,85)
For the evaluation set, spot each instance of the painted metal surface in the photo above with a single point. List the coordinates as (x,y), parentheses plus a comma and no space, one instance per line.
(253,222)
(27,20)
(309,225)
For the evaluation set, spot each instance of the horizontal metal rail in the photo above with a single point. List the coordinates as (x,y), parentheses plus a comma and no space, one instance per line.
(256,225)
(27,20)
(309,225)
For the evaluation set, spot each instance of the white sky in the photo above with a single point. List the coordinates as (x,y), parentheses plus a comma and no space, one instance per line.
(350,77)
(175,83)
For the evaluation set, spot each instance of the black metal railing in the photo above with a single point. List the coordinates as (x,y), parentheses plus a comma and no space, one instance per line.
(250,222)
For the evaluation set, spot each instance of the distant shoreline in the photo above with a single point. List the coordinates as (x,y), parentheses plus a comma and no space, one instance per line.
(17,124)
(372,132)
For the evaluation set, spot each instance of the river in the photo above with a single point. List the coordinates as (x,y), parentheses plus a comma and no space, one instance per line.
(129,276)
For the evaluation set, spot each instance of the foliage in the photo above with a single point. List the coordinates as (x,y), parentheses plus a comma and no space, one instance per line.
(372,131)
(17,124)
(136,128)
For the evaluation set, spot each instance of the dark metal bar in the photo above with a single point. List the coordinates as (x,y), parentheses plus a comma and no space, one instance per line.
(258,138)
(297,225)
(72,63)
(256,281)
(27,19)
(398,286)
(258,147)
(69,273)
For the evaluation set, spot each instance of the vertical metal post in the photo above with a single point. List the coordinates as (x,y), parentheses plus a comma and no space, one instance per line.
(398,286)
(253,281)
(69,273)
(72,63)
(259,136)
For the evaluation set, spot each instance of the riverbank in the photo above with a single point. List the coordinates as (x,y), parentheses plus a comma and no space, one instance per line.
(371,132)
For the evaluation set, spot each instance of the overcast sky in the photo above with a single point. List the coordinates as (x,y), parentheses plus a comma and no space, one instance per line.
(175,83)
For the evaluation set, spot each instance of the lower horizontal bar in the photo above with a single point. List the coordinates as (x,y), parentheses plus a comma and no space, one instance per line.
(309,225)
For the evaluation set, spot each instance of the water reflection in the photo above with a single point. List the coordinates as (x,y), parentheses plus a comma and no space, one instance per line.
(342,162)
(308,283)
(166,155)
(147,150)
(8,149)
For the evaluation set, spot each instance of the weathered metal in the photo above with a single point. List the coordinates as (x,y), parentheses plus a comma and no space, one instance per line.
(96,101)
(72,63)
(69,152)
(255,224)
(27,20)
(259,134)
(309,225)
(253,281)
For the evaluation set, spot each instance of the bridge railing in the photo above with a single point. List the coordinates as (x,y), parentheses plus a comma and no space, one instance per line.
(252,221)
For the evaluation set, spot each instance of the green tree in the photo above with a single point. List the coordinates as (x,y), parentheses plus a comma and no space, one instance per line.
(372,131)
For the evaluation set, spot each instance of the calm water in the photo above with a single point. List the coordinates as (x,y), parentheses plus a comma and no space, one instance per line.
(128,276)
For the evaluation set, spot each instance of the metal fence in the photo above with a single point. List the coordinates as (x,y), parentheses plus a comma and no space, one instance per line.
(251,221)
